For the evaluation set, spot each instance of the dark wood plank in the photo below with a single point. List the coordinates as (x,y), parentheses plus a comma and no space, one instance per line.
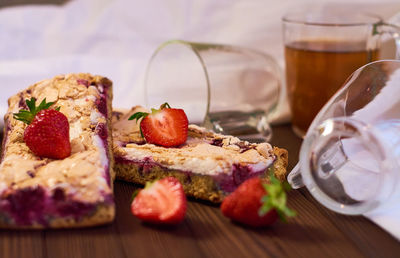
(310,233)
(206,231)
(102,241)
(143,240)
(21,243)
(315,232)
(372,240)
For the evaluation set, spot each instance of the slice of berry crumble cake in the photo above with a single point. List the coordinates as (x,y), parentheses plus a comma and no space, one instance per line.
(74,189)
(208,165)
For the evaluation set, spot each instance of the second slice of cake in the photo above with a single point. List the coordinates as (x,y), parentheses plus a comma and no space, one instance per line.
(208,165)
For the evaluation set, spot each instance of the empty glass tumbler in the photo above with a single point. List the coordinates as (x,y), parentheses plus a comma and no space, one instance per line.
(229,89)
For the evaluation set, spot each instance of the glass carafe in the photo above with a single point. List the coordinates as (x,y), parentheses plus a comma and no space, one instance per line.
(350,156)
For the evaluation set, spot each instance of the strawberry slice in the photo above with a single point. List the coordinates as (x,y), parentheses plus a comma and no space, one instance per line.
(47,133)
(257,203)
(166,126)
(160,202)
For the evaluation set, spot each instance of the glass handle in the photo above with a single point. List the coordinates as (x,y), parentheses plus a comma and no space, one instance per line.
(397,40)
(294,178)
(393,30)
(396,34)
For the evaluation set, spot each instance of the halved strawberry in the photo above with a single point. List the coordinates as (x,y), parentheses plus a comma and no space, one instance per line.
(166,126)
(47,133)
(257,203)
(160,202)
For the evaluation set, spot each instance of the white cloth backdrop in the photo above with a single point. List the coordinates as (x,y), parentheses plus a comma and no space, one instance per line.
(116,38)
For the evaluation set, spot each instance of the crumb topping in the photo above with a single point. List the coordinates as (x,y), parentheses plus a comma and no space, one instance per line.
(204,152)
(81,174)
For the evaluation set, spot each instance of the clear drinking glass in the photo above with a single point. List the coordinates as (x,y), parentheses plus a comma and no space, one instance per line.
(228,89)
(322,48)
(350,156)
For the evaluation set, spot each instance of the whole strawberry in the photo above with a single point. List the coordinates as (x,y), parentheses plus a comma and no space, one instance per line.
(257,203)
(166,126)
(47,133)
(160,202)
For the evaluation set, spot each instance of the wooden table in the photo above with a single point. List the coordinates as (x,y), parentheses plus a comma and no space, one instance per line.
(315,232)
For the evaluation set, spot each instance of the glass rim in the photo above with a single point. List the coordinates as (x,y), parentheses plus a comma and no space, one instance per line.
(290,18)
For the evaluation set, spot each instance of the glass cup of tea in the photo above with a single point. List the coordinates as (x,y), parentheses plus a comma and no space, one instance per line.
(350,156)
(229,89)
(322,49)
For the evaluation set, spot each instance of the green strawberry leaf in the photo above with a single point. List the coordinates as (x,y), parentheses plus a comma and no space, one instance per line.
(276,199)
(138,115)
(146,186)
(165,105)
(149,184)
(43,105)
(31,104)
(27,116)
(134,194)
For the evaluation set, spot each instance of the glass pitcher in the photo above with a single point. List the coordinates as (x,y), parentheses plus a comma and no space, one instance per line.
(350,156)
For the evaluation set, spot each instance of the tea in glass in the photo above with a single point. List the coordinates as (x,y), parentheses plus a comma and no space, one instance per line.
(323,47)
(315,70)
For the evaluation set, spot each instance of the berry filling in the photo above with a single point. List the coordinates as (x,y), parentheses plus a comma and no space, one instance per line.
(225,182)
(242,145)
(101,128)
(217,142)
(83,82)
(240,174)
(31,206)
